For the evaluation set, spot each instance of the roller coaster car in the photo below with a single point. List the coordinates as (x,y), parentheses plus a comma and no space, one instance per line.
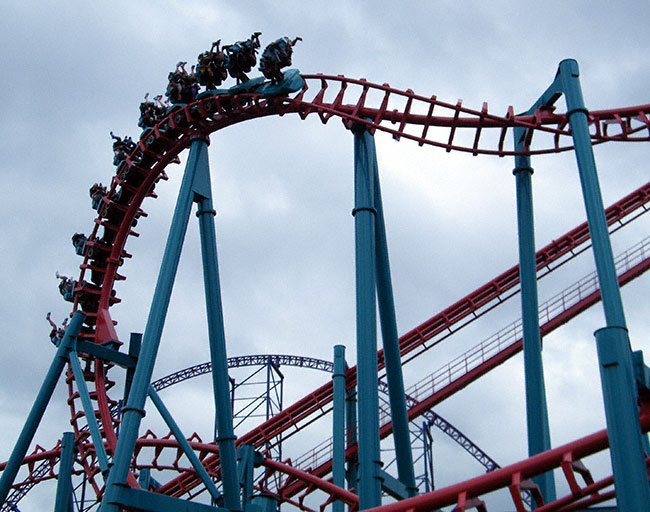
(97,249)
(182,87)
(79,242)
(129,175)
(121,148)
(211,68)
(151,112)
(97,193)
(242,56)
(276,56)
(66,288)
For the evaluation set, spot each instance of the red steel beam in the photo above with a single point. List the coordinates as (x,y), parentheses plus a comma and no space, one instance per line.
(315,401)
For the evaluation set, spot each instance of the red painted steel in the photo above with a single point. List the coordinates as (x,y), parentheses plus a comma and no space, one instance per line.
(161,146)
(514,474)
(475,373)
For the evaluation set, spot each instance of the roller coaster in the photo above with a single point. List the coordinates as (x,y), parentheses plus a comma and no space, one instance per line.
(115,461)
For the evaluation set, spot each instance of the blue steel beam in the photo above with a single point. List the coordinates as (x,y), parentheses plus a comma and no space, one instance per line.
(216,333)
(38,408)
(63,500)
(338,423)
(184,444)
(539,436)
(367,375)
(613,344)
(89,410)
(392,358)
(134,409)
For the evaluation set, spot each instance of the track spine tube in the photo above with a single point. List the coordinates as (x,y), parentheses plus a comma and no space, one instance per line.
(338,423)
(614,354)
(392,358)
(38,408)
(539,437)
(134,410)
(368,396)
(216,333)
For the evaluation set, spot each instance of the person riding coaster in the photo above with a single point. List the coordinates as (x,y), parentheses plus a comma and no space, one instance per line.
(183,86)
(121,148)
(211,68)
(242,56)
(276,56)
(151,112)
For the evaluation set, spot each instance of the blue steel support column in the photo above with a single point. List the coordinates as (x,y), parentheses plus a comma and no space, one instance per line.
(614,354)
(63,501)
(368,396)
(134,410)
(351,472)
(539,437)
(216,334)
(392,357)
(184,444)
(338,422)
(38,409)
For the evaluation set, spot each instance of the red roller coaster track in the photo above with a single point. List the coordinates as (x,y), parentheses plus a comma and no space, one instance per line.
(404,115)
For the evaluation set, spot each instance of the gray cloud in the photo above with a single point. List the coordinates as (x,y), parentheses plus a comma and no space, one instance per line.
(283,189)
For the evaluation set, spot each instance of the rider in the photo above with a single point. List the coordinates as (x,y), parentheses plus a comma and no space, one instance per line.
(66,287)
(242,56)
(57,333)
(276,56)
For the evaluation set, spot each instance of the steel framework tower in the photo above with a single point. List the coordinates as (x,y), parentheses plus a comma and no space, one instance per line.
(111,458)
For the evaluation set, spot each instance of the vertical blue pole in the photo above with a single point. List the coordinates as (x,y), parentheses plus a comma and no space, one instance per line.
(351,473)
(245,468)
(392,357)
(368,396)
(614,354)
(63,502)
(216,334)
(134,410)
(539,437)
(338,423)
(135,341)
(38,409)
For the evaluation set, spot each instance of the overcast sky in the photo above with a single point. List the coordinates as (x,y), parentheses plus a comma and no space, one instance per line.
(75,71)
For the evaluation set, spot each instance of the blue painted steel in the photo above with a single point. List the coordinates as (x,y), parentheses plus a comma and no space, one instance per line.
(619,392)
(126,498)
(39,406)
(245,468)
(216,334)
(368,400)
(265,502)
(642,379)
(134,410)
(539,437)
(63,501)
(89,410)
(392,357)
(184,444)
(338,423)
(352,469)
(135,342)
(146,481)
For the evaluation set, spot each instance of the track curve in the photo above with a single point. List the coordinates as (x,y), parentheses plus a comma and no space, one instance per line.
(402,114)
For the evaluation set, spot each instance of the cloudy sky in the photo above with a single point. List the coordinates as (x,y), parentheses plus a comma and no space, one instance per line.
(283,191)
